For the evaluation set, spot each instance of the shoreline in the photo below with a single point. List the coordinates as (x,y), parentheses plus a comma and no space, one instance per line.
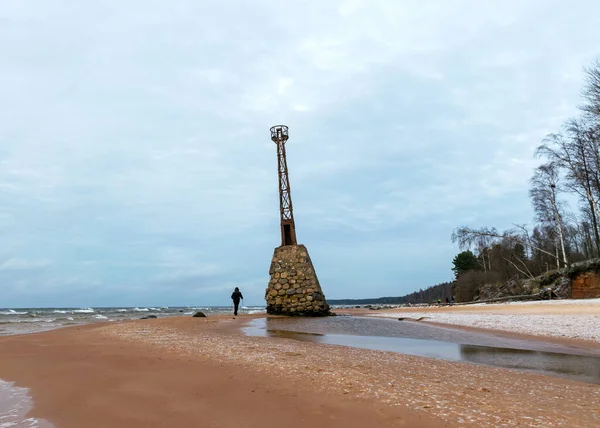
(576,344)
(138,373)
(15,404)
(31,320)
(569,322)
(564,341)
(87,374)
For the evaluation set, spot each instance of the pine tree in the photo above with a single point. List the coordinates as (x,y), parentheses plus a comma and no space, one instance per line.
(464,262)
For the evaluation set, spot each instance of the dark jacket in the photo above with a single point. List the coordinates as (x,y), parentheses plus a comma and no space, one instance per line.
(236,296)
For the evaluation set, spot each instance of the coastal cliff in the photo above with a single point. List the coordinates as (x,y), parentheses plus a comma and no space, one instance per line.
(578,281)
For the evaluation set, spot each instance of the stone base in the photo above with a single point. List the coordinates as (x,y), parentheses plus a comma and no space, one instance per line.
(294,287)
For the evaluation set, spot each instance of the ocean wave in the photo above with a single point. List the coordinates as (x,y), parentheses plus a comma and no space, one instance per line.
(17,403)
(140,309)
(84,311)
(100,317)
(13,312)
(56,311)
(122,310)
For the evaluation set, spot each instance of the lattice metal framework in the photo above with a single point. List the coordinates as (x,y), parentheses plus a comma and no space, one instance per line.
(279,135)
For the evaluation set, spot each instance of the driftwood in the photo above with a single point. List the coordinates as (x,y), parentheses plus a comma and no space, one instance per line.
(546,294)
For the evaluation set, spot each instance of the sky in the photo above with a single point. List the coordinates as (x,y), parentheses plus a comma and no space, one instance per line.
(136,166)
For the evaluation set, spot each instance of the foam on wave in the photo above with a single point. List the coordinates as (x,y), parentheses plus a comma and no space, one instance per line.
(15,403)
(84,311)
(12,312)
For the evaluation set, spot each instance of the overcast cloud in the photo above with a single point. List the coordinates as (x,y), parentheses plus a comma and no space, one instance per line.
(135,160)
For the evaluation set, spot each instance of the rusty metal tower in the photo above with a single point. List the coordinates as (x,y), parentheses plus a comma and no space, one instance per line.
(294,288)
(279,135)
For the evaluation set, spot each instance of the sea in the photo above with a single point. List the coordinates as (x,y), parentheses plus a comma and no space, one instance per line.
(33,320)
(15,402)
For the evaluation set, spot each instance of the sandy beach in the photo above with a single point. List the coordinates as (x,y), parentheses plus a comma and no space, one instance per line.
(130,375)
(568,321)
(206,372)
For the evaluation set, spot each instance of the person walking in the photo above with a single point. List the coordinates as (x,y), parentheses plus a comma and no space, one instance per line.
(236,296)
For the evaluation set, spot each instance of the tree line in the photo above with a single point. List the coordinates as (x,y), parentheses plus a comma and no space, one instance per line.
(558,237)
(429,295)
(569,169)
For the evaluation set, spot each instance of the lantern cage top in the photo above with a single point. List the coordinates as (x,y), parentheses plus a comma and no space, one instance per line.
(279,133)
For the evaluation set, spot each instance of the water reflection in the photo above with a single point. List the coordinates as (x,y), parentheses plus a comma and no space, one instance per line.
(436,342)
(578,367)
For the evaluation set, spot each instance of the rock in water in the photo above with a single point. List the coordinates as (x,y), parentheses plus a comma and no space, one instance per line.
(199,315)
(149,317)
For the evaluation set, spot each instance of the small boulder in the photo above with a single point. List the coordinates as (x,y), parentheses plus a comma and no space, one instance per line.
(199,315)
(149,317)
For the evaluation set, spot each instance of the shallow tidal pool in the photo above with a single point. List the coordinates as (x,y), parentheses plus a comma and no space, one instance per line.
(416,338)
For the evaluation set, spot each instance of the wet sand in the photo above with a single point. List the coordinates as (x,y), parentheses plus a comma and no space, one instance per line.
(427,340)
(569,322)
(205,372)
(87,376)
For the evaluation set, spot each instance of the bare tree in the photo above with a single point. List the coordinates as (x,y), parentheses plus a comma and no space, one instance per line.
(544,185)
(591,91)
(577,156)
(585,232)
(466,237)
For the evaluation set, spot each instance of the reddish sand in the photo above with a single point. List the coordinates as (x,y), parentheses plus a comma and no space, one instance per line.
(81,378)
(203,372)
